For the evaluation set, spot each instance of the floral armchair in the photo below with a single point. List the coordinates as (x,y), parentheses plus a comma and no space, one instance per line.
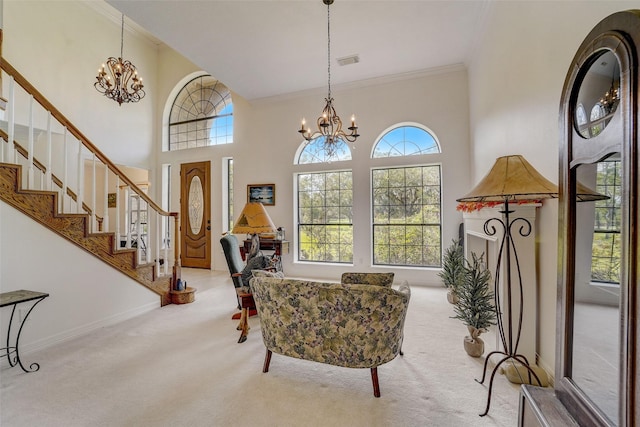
(350,325)
(380,279)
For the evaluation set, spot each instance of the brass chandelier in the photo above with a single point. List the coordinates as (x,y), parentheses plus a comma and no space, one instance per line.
(611,98)
(329,123)
(118,79)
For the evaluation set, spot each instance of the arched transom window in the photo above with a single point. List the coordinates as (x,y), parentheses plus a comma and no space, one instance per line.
(201,115)
(314,152)
(405,140)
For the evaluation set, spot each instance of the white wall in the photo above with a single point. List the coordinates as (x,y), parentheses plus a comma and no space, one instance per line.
(266,140)
(437,100)
(59,46)
(85,294)
(265,132)
(515,84)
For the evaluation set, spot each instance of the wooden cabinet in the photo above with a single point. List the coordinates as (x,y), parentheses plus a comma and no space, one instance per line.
(597,354)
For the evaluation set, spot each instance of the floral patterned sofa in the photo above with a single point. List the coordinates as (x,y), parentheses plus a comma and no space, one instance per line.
(350,325)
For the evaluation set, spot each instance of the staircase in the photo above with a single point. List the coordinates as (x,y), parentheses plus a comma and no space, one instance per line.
(30,186)
(42,206)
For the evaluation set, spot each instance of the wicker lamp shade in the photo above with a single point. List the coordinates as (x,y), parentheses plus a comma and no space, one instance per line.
(585,194)
(254,219)
(511,178)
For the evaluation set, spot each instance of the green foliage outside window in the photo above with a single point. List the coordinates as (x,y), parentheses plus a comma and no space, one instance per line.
(406,216)
(606,248)
(325,219)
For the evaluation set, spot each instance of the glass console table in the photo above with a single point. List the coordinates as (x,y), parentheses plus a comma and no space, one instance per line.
(14,298)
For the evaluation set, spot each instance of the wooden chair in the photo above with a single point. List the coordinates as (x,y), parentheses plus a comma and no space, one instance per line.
(237,270)
(231,250)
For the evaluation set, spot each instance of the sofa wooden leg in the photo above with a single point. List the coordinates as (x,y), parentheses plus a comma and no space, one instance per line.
(267,361)
(376,385)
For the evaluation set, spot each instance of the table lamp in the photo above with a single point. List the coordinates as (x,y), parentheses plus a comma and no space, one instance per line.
(254,220)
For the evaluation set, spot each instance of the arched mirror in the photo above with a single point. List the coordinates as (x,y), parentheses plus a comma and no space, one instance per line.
(598,231)
(595,360)
(598,95)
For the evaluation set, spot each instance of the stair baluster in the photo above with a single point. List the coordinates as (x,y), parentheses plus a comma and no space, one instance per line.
(51,137)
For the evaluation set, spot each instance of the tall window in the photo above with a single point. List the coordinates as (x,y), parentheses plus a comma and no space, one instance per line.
(166,202)
(201,115)
(606,249)
(406,216)
(229,180)
(406,201)
(325,220)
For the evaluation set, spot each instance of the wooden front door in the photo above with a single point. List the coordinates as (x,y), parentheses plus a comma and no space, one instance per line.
(195,214)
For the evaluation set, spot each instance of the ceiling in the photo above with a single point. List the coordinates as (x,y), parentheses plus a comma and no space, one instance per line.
(263,48)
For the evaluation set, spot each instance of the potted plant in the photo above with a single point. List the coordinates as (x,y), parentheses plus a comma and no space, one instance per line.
(453,270)
(475,304)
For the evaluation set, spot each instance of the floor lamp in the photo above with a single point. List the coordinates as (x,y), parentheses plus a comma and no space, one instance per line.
(511,179)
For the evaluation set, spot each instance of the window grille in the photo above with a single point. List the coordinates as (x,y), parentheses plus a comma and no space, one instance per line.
(201,115)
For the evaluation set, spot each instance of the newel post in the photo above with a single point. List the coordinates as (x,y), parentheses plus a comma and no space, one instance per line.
(176,263)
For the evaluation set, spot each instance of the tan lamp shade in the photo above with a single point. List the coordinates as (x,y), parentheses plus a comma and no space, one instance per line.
(512,178)
(585,194)
(253,219)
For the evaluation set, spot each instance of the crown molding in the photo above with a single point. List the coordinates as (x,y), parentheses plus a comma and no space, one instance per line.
(114,15)
(374,81)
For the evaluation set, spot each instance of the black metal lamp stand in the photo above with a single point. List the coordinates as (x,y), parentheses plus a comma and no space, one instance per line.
(509,341)
(512,178)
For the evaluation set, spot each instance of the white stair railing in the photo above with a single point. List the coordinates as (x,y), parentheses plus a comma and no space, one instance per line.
(87,182)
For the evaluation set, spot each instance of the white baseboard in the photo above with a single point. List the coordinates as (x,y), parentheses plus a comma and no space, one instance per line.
(71,334)
(550,372)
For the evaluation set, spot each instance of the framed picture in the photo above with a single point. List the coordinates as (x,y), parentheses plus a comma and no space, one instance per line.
(111,200)
(263,193)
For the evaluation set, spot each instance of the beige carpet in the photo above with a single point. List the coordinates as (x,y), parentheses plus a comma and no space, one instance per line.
(181,366)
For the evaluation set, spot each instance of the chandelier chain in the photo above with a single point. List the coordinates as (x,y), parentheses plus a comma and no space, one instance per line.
(329,50)
(122,37)
(329,123)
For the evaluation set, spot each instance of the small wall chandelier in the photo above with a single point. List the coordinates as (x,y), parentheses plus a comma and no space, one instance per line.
(118,79)
(329,123)
(611,98)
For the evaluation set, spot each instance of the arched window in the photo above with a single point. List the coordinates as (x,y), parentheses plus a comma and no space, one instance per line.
(405,140)
(201,115)
(314,152)
(597,113)
(406,201)
(581,119)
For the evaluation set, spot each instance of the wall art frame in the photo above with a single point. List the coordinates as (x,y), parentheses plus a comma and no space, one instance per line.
(262,193)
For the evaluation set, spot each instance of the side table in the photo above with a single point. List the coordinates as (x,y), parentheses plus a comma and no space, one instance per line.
(14,298)
(279,247)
